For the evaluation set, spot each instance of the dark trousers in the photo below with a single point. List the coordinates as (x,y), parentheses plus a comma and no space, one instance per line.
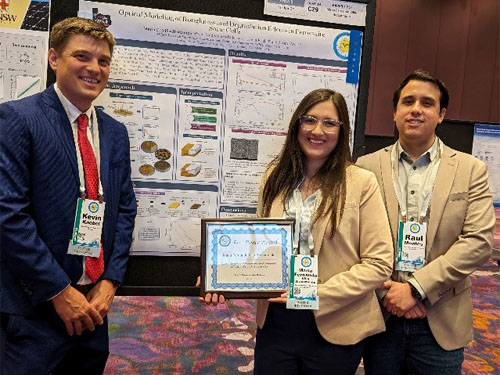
(39,344)
(290,344)
(408,347)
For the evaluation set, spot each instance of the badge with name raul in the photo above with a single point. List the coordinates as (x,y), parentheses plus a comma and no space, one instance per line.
(411,246)
(303,288)
(89,219)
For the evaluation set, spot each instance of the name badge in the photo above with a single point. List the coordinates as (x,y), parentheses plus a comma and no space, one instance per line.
(411,246)
(89,219)
(303,289)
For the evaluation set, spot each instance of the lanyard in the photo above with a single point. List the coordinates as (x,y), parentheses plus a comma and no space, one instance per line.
(426,190)
(298,203)
(97,153)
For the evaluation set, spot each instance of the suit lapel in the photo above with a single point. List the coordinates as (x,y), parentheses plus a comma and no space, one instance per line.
(58,120)
(442,187)
(104,152)
(391,201)
(277,207)
(319,232)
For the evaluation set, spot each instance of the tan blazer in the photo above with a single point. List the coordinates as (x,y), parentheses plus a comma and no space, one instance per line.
(459,238)
(351,265)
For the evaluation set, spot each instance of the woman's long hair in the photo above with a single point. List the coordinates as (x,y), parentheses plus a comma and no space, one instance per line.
(288,168)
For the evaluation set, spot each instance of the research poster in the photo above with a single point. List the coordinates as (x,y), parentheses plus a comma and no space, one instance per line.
(24,37)
(207,101)
(485,148)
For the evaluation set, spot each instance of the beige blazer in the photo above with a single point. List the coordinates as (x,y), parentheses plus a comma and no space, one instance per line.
(459,238)
(351,265)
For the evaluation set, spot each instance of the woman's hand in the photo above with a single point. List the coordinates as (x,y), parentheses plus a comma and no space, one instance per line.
(210,298)
(280,299)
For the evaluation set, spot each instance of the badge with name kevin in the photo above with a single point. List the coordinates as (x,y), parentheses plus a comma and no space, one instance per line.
(411,246)
(303,289)
(89,218)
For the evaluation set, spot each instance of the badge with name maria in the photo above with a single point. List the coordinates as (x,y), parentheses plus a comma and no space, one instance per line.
(244,258)
(303,291)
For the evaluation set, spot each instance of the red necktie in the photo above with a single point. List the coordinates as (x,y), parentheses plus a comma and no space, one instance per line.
(94,267)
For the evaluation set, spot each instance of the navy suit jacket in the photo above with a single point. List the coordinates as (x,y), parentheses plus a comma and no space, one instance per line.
(38,194)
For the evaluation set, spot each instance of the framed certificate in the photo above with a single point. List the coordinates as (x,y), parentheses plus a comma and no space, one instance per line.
(242,258)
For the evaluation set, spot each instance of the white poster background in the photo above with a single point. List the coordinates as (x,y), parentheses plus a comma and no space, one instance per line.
(156,25)
(332,11)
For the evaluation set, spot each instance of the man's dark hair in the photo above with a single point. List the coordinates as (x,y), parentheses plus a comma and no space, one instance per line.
(422,75)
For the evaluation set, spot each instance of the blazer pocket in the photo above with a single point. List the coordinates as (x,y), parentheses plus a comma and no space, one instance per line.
(454,212)
(458,196)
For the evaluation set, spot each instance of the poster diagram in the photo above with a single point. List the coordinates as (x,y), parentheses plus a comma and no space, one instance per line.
(148,114)
(200,122)
(263,91)
(169,219)
(22,64)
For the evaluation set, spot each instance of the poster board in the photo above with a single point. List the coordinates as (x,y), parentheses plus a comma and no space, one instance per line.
(176,275)
(24,36)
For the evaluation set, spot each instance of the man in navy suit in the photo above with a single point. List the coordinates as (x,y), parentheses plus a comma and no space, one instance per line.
(53,308)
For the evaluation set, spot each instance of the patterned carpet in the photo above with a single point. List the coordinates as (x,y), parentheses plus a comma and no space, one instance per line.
(178,336)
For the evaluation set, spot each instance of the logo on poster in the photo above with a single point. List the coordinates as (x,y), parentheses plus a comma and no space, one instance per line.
(341,45)
(103,19)
(4,5)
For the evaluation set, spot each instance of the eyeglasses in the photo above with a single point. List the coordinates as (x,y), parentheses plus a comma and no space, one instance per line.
(328,125)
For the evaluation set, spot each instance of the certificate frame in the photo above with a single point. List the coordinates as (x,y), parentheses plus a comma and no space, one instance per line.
(246,258)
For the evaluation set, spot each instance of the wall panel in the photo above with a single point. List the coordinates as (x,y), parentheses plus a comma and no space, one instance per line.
(495,94)
(393,30)
(457,40)
(423,35)
(453,36)
(480,62)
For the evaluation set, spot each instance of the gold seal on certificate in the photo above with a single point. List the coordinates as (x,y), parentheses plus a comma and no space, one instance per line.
(245,258)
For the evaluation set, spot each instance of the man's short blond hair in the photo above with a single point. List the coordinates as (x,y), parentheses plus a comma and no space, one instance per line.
(63,30)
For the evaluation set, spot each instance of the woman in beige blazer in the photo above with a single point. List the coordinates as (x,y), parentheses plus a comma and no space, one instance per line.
(343,222)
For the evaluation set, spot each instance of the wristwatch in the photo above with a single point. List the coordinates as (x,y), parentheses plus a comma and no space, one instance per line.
(414,292)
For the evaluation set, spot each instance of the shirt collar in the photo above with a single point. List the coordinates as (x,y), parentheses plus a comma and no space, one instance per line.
(71,110)
(431,153)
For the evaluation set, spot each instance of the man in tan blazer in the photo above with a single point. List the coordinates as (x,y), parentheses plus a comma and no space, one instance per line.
(425,182)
